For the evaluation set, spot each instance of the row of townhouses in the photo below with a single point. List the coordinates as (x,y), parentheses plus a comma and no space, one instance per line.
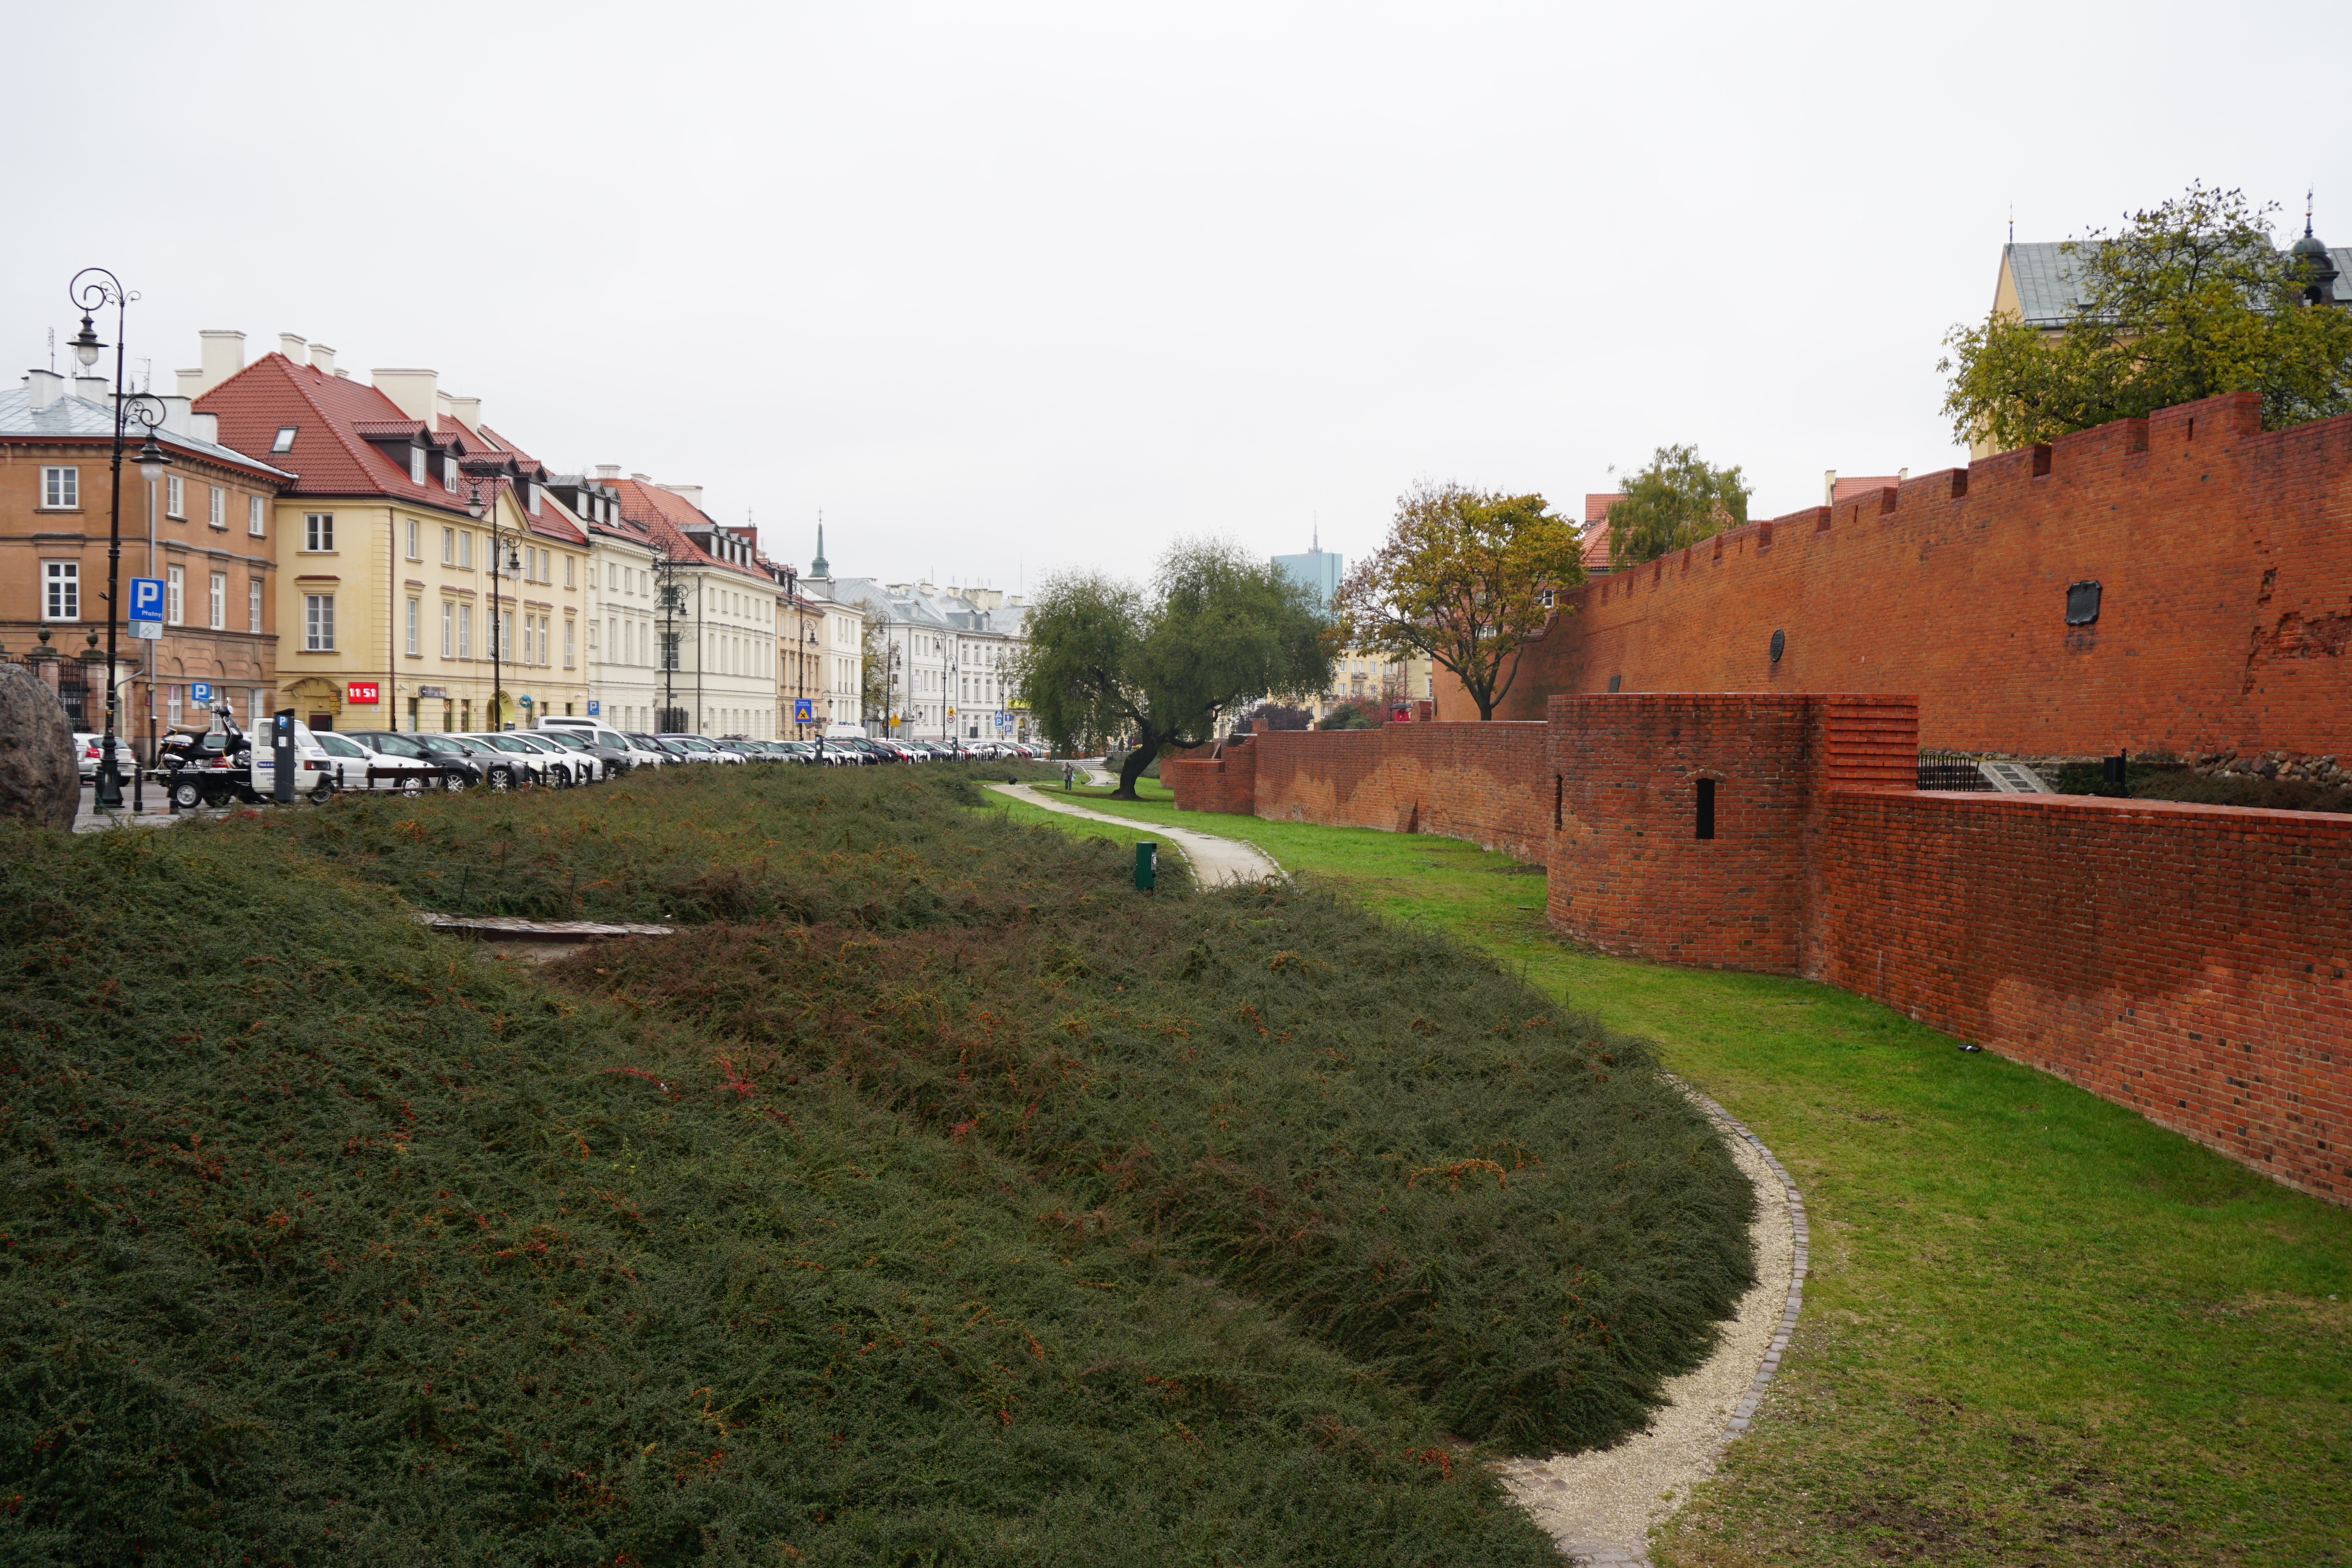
(377,554)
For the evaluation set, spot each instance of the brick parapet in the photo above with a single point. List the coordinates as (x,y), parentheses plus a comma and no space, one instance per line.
(2223,555)
(1465,781)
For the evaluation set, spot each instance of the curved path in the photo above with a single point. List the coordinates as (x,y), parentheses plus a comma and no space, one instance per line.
(1600,1506)
(1217,861)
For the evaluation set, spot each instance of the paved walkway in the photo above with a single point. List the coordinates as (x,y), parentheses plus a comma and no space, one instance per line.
(1216,861)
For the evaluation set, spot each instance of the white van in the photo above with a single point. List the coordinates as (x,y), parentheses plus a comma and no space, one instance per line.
(603,733)
(845,732)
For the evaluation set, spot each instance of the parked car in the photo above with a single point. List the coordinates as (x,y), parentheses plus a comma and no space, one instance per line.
(392,752)
(566,766)
(633,749)
(539,766)
(609,762)
(88,747)
(697,749)
(495,772)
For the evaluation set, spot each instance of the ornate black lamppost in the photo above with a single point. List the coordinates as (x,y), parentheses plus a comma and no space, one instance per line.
(475,507)
(93,289)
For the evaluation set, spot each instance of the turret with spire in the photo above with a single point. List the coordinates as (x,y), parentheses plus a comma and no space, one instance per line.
(818,565)
(2311,256)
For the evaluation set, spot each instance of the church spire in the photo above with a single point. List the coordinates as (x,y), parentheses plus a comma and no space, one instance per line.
(818,565)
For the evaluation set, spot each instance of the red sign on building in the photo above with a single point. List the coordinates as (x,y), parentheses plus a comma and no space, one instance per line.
(360,691)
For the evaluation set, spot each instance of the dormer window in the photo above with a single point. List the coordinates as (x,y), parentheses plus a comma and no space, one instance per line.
(416,465)
(450,472)
(284,442)
(534,500)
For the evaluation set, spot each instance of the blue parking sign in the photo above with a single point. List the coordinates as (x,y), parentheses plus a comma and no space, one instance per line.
(200,693)
(147,599)
(594,707)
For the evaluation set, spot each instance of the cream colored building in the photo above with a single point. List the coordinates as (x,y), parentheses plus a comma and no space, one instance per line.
(423,568)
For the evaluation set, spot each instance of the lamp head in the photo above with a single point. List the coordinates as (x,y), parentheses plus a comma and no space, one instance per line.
(152,458)
(86,344)
(473,498)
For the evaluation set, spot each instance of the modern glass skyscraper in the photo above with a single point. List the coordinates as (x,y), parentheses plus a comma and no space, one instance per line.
(1318,569)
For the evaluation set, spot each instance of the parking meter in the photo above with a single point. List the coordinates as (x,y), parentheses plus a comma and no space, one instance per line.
(281,754)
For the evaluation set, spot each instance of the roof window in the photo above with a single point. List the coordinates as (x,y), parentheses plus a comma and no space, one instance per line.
(284,442)
(416,465)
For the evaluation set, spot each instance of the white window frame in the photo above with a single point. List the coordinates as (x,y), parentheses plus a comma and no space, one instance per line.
(175,497)
(219,517)
(61,590)
(448,628)
(175,595)
(318,533)
(317,622)
(465,630)
(465,550)
(415,465)
(415,538)
(60,488)
(284,440)
(415,615)
(252,603)
(218,594)
(256,514)
(449,471)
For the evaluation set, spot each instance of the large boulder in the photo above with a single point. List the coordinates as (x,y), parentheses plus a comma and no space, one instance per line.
(40,782)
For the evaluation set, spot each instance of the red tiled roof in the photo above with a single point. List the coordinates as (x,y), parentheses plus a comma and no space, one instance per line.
(664,516)
(332,456)
(1596,531)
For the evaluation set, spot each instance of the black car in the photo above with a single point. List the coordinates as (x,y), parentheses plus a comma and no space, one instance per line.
(457,772)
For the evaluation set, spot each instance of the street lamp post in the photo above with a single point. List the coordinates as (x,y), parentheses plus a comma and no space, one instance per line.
(93,289)
(475,507)
(800,650)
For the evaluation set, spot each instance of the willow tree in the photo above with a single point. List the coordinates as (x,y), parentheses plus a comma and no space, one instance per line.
(1466,579)
(1678,499)
(1216,629)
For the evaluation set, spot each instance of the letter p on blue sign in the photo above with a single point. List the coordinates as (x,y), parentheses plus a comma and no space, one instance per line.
(146,599)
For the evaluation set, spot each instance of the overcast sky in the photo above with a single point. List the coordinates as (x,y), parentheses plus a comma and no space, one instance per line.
(1006,289)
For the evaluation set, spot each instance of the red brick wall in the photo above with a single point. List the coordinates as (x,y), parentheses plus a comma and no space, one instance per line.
(1474,781)
(1206,778)
(2187,961)
(2225,555)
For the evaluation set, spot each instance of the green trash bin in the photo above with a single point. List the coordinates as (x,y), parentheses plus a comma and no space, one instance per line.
(1147,867)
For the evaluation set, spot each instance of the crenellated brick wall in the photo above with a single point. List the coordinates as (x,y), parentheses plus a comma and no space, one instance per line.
(1221,778)
(2223,556)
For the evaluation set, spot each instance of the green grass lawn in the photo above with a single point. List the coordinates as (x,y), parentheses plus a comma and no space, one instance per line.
(2039,1330)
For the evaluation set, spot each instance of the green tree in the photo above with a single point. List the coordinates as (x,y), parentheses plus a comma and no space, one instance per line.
(1216,629)
(1465,578)
(2187,300)
(1679,500)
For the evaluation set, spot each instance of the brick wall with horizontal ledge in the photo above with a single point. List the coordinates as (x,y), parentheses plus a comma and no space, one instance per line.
(2222,556)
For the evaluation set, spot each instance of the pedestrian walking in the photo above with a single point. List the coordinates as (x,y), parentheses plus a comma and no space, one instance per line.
(1069,770)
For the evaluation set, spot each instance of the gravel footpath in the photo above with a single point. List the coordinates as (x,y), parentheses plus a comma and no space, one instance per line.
(1600,1506)
(1216,860)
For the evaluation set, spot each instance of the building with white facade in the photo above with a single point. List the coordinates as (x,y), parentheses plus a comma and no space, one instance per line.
(715,612)
(950,656)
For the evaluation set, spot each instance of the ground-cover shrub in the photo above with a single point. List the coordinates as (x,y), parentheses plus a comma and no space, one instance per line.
(1499,1205)
(2039,1329)
(687,844)
(326,1242)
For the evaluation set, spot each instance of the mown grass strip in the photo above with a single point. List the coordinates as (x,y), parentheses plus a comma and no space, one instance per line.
(2041,1330)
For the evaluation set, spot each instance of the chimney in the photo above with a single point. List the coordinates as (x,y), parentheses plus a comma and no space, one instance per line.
(94,388)
(642,478)
(468,412)
(690,494)
(323,357)
(175,414)
(416,394)
(44,388)
(205,427)
(608,472)
(221,353)
(291,347)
